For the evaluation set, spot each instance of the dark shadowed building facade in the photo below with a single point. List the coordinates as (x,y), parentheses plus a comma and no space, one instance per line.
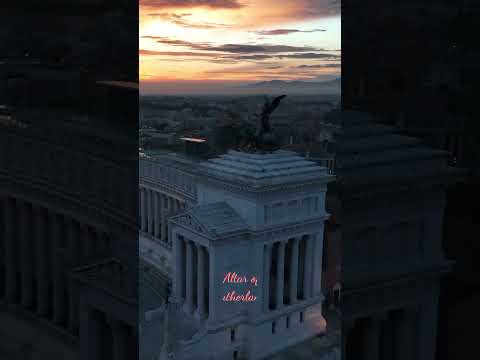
(68,180)
(69,238)
(388,204)
(414,65)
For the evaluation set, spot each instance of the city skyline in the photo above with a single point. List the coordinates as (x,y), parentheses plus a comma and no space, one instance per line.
(215,43)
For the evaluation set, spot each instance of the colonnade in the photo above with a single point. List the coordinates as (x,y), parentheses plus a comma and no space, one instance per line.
(289,271)
(155,209)
(107,337)
(40,248)
(192,276)
(391,335)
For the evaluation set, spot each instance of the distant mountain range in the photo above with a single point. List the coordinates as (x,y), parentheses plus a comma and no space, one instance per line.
(293,87)
(273,87)
(295,83)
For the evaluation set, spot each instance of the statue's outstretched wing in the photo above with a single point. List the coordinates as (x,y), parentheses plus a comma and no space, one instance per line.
(268,109)
(265,128)
(275,102)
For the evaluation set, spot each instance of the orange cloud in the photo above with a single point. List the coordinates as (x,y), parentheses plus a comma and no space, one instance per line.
(179,4)
(238,39)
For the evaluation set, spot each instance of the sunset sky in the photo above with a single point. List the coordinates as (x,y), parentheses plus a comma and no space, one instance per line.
(216,42)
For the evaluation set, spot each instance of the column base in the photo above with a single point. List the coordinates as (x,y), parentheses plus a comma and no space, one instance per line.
(59,321)
(11,297)
(42,310)
(200,315)
(187,308)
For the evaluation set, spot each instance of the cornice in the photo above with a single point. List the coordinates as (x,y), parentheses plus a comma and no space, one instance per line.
(245,188)
(266,234)
(396,185)
(91,212)
(160,184)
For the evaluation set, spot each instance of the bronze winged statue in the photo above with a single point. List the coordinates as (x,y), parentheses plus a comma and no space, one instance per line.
(264,139)
(268,108)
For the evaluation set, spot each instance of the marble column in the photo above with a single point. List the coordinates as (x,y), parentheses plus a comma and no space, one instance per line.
(317,253)
(26,249)
(433,235)
(149,211)
(92,335)
(460,150)
(86,241)
(106,243)
(152,212)
(166,215)
(406,327)
(120,340)
(200,282)
(59,306)
(180,269)
(11,265)
(41,255)
(142,210)
(163,208)
(156,215)
(146,209)
(280,275)
(189,277)
(307,273)
(346,325)
(72,232)
(207,281)
(294,271)
(372,339)
(73,242)
(73,309)
(267,264)
(427,326)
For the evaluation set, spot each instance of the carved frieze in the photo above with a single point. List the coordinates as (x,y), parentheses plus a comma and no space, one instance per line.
(189,221)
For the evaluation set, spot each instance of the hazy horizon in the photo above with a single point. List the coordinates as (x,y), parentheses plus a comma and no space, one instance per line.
(232,87)
(211,45)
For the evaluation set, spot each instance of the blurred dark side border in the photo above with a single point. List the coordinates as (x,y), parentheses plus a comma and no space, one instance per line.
(413,65)
(69,179)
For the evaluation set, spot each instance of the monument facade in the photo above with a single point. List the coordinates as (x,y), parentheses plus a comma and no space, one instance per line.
(246,260)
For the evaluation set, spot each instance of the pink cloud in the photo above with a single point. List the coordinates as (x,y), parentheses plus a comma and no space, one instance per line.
(214,4)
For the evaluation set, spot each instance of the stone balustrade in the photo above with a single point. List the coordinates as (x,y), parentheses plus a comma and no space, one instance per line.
(67,171)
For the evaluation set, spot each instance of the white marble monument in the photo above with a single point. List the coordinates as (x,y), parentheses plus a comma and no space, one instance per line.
(247,258)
